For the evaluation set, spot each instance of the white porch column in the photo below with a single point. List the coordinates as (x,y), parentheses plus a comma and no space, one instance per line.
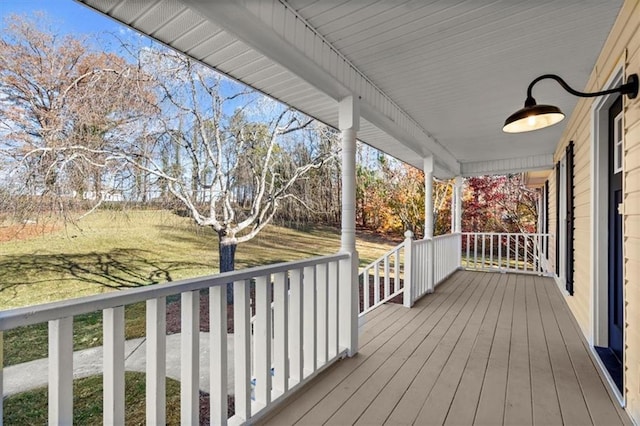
(453,208)
(428,196)
(457,197)
(428,221)
(349,123)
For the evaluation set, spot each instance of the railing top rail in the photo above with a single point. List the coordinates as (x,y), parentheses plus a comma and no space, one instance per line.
(443,236)
(28,315)
(422,242)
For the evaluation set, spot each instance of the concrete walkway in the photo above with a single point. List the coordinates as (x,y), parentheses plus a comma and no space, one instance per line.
(88,362)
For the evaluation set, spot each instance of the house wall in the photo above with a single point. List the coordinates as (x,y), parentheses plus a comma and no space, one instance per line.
(621,47)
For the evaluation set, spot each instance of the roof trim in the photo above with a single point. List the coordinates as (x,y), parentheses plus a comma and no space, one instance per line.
(509,165)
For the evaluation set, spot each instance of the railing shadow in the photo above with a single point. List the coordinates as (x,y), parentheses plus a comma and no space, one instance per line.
(115,269)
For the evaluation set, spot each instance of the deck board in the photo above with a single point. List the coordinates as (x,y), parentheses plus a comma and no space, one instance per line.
(465,401)
(436,407)
(493,395)
(440,343)
(546,409)
(518,410)
(483,349)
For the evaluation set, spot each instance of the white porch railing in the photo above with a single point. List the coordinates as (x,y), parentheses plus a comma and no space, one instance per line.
(295,331)
(382,279)
(303,339)
(434,260)
(423,263)
(446,256)
(506,252)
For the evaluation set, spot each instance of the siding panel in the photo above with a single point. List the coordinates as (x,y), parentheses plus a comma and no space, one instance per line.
(622,46)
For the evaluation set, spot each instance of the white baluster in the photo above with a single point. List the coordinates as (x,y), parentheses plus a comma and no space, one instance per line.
(517,249)
(366,289)
(475,251)
(334,272)
(189,360)
(387,277)
(281,332)
(218,354)
(396,271)
(484,262)
(61,371)
(262,341)
(500,252)
(322,312)
(242,349)
(468,247)
(526,251)
(113,375)
(310,324)
(491,249)
(376,283)
(156,361)
(295,326)
(508,248)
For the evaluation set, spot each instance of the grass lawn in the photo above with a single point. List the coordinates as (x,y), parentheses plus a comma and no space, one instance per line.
(30,408)
(110,251)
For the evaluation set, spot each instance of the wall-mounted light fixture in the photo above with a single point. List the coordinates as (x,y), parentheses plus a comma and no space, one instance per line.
(534,116)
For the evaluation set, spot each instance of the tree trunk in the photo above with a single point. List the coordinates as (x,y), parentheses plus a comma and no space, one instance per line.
(227,252)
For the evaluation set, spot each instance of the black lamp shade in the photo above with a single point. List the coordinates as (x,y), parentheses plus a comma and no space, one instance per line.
(532,117)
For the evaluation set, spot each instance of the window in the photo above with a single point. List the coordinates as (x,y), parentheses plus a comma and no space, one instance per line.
(617,140)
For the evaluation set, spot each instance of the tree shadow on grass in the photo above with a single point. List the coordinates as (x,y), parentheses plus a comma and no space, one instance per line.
(116,269)
(200,237)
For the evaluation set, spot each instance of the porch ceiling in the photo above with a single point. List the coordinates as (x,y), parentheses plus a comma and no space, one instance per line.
(435,77)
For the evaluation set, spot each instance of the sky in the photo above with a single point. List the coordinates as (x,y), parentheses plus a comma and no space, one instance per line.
(66,14)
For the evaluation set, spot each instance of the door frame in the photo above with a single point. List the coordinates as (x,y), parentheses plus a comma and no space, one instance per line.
(600,219)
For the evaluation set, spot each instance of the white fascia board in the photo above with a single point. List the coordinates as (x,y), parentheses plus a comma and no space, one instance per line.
(275,30)
(507,165)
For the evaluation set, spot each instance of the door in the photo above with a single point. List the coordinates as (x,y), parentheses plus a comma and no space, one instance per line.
(615,276)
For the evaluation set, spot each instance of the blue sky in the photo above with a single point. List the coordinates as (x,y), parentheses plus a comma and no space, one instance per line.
(66,14)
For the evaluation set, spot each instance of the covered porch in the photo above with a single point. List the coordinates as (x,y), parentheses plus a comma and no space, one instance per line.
(475,347)
(482,349)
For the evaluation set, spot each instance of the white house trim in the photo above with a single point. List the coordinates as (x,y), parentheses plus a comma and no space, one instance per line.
(508,165)
(599,210)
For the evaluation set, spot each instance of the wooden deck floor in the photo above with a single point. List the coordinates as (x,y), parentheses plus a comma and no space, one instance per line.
(484,349)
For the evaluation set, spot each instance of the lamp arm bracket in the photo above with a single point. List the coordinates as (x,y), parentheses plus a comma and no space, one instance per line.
(630,88)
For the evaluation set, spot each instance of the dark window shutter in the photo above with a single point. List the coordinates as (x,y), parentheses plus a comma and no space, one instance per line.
(546,218)
(570,219)
(558,219)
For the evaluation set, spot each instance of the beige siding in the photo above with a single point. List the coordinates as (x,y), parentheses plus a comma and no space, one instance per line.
(632,226)
(622,46)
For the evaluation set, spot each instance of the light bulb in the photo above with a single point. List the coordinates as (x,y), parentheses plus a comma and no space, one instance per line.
(531,120)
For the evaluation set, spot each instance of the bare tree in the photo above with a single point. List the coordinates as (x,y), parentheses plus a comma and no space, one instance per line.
(58,101)
(228,152)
